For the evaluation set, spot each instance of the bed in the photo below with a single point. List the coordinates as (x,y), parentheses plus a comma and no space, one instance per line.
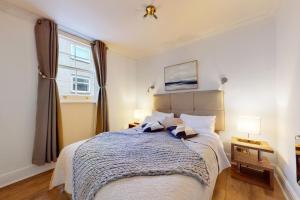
(163,187)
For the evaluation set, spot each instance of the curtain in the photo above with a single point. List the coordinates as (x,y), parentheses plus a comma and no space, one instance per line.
(48,116)
(99,50)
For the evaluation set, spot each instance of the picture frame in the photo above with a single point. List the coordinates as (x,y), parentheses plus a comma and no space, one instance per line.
(182,76)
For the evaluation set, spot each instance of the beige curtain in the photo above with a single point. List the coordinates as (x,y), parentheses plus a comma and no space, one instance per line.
(48,116)
(99,50)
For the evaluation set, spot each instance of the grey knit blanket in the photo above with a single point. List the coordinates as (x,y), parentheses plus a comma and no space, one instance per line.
(112,156)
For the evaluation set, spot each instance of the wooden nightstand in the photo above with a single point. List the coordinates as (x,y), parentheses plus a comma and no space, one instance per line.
(249,166)
(132,125)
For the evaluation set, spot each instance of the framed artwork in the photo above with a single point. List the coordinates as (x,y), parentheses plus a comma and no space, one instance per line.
(183,76)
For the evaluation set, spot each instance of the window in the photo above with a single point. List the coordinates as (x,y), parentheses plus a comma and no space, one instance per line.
(76,69)
(80,53)
(81,84)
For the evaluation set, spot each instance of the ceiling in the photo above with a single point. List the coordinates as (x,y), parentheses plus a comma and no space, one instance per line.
(120,23)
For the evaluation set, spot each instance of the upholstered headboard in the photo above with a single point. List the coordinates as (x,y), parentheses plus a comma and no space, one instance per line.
(205,103)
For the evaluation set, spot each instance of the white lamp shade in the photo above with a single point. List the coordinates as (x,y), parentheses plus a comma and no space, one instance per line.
(249,124)
(138,115)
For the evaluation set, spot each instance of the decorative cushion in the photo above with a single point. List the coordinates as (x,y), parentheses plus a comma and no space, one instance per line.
(152,127)
(181,131)
(178,121)
(165,121)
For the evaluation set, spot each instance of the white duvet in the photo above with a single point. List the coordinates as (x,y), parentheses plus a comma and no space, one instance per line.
(170,187)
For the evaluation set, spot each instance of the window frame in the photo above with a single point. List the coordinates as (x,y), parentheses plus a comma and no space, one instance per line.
(89,96)
(76,76)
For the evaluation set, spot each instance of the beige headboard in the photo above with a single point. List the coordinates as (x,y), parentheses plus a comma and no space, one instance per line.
(205,103)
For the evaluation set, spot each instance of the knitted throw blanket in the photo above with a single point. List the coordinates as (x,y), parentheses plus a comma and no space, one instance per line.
(112,156)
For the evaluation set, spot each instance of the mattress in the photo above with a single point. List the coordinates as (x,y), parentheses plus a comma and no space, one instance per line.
(166,187)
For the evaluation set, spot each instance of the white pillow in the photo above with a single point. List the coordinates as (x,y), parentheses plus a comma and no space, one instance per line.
(152,118)
(167,119)
(162,114)
(200,123)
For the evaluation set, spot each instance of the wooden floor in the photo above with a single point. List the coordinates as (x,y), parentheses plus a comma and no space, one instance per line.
(226,188)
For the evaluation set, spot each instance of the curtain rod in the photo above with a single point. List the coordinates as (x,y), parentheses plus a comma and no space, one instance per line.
(75,33)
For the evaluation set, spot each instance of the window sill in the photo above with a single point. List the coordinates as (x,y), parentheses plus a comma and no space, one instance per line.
(77,102)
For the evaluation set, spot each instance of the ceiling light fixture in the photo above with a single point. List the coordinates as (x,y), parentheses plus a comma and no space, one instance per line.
(150,11)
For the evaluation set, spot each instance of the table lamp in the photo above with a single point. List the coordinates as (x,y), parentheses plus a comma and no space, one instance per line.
(249,125)
(138,115)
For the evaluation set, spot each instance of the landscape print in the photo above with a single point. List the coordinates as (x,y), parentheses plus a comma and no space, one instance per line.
(182,76)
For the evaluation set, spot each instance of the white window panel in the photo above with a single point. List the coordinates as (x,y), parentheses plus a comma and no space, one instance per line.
(81,53)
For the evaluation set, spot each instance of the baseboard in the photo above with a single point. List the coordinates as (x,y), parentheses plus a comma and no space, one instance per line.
(286,187)
(23,173)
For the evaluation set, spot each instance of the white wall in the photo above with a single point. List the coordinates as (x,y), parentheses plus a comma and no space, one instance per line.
(18,78)
(288,96)
(245,55)
(121,89)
